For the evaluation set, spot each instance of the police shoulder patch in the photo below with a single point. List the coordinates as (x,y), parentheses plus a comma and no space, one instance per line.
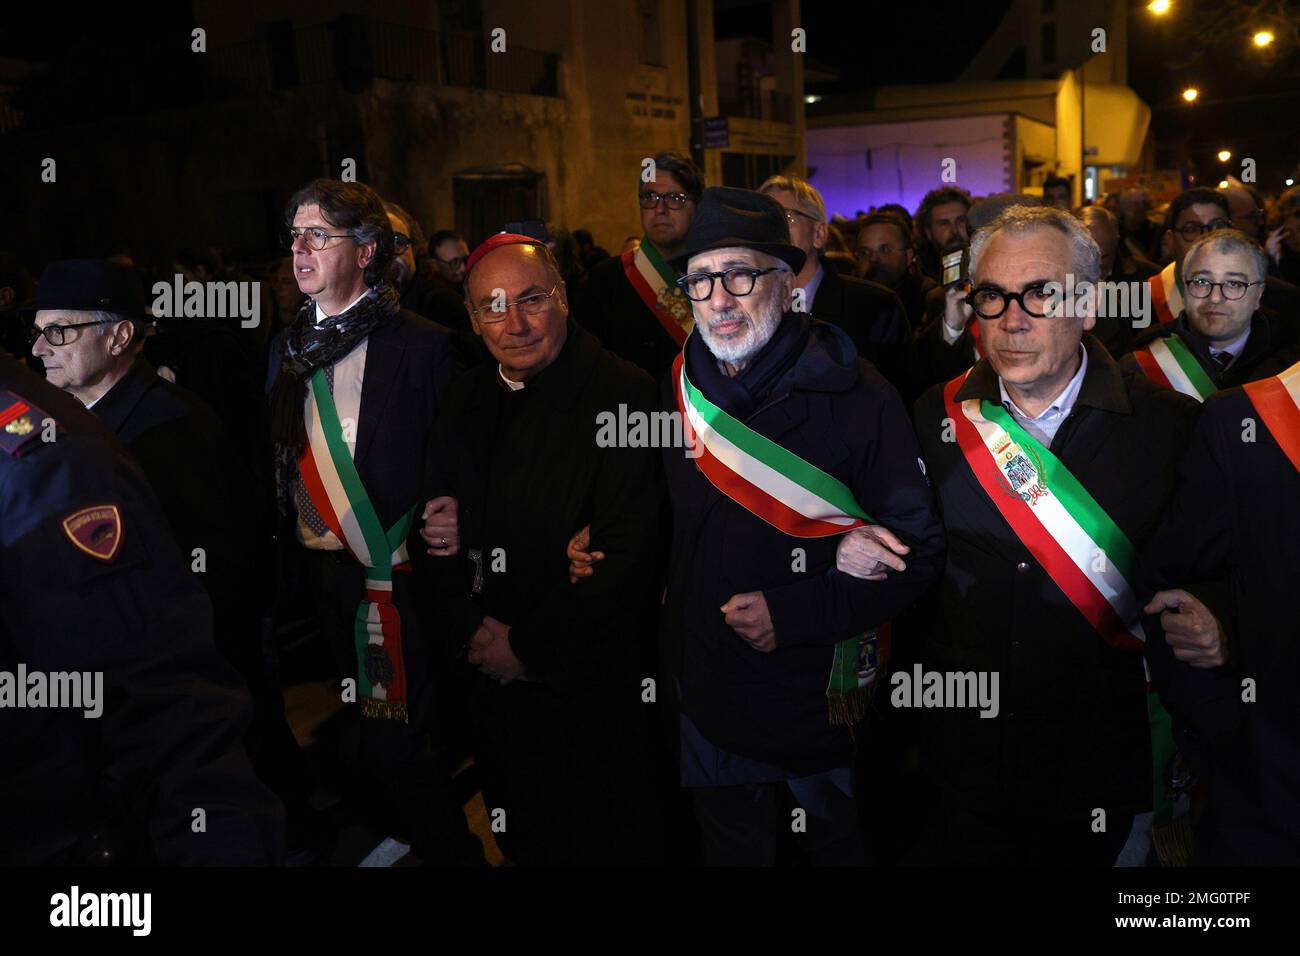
(96,530)
(20,423)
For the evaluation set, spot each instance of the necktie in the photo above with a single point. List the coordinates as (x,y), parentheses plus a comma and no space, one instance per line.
(306,510)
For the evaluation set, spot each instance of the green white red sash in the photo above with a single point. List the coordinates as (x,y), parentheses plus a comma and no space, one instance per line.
(1169,362)
(1277,399)
(795,497)
(1068,533)
(790,494)
(656,283)
(1167,294)
(331,479)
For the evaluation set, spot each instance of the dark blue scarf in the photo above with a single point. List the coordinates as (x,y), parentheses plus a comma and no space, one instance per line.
(742,395)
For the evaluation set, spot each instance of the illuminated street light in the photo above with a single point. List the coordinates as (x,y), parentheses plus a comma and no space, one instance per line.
(1224,155)
(1191,93)
(1158,7)
(1290,182)
(1263,38)
(1223,184)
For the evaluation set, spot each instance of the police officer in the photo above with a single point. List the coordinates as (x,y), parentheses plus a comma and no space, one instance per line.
(93,586)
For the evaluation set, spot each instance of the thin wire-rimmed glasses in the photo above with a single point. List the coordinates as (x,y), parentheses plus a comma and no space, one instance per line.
(533,304)
(315,237)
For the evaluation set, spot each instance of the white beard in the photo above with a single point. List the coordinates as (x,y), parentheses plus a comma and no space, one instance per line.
(737,349)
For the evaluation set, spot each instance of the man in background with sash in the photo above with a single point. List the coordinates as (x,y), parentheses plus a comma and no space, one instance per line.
(1191,215)
(632,303)
(356,384)
(1222,338)
(1222,569)
(770,651)
(1053,466)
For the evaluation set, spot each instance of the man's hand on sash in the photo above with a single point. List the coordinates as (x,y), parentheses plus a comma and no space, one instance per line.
(580,559)
(441,529)
(1193,632)
(870,553)
(748,616)
(489,651)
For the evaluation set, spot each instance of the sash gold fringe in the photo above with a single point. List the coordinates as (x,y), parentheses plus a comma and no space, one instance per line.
(384,709)
(847,709)
(1173,841)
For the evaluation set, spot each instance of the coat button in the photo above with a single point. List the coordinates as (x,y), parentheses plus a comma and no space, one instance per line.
(1023,567)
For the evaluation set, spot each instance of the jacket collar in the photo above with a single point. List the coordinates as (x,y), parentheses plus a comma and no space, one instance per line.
(1103,383)
(116,405)
(561,382)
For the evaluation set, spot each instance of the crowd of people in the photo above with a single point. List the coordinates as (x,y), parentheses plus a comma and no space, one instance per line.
(966,537)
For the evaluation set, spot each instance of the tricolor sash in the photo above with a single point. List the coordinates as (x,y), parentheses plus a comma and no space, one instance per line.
(1081,548)
(1169,362)
(795,497)
(1167,294)
(1068,533)
(331,479)
(1277,400)
(656,283)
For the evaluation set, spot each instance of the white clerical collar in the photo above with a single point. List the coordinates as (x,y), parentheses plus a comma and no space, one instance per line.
(1062,404)
(510,383)
(321,316)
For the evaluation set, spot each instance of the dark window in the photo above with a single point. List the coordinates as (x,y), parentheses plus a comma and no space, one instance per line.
(652,46)
(1049,42)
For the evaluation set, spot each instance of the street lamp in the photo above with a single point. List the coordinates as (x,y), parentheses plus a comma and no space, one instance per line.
(1158,7)
(1224,155)
(1263,38)
(1190,94)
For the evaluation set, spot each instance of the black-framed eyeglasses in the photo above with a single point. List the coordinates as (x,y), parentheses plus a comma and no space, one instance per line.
(56,334)
(1194,230)
(534,304)
(1233,289)
(316,238)
(401,242)
(989,302)
(739,282)
(650,199)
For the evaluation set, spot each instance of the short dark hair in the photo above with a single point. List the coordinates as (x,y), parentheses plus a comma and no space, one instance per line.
(583,237)
(899,210)
(354,207)
(1051,182)
(1201,195)
(413,230)
(441,236)
(939,197)
(879,218)
(684,169)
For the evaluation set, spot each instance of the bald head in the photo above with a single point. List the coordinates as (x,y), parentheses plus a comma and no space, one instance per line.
(518,306)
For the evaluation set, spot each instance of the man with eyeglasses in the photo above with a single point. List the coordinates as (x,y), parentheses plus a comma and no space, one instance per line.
(769,652)
(556,702)
(356,383)
(1052,465)
(631,302)
(885,255)
(1223,338)
(870,313)
(92,581)
(1192,214)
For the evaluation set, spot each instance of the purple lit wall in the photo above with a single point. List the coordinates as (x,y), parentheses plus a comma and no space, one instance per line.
(857,167)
